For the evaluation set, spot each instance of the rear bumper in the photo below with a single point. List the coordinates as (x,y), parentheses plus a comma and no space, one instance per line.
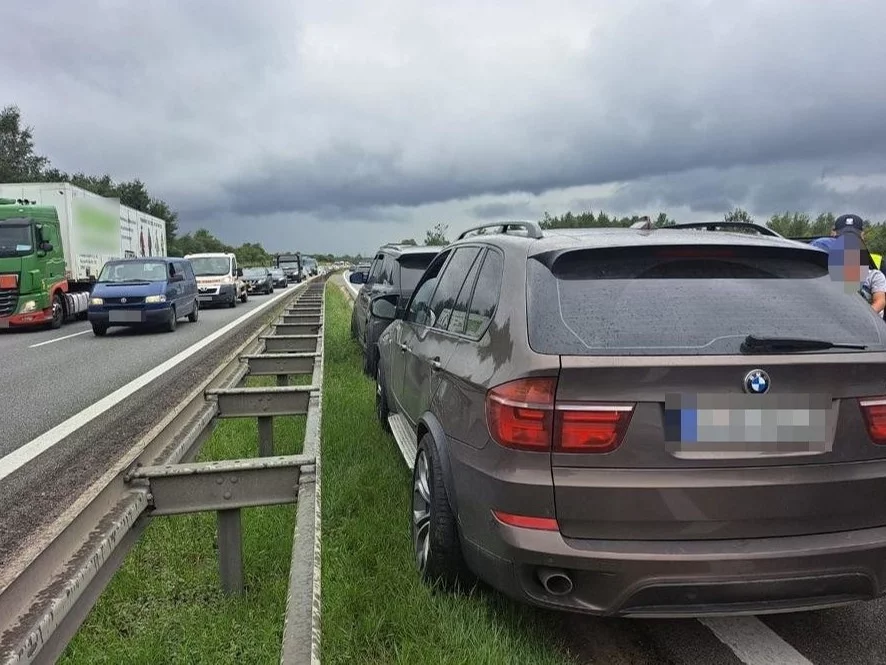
(677,577)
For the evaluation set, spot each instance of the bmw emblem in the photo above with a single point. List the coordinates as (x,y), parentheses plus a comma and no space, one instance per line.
(123,300)
(756,382)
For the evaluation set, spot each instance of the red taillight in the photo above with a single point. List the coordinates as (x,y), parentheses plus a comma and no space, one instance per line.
(874,411)
(520,414)
(590,428)
(527,522)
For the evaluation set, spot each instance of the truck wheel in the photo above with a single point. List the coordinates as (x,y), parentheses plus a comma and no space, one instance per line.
(233,301)
(195,313)
(100,331)
(172,323)
(58,312)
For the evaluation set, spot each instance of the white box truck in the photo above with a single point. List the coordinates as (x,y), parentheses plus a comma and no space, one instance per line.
(60,237)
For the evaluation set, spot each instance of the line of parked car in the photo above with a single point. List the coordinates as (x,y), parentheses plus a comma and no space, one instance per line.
(156,292)
(670,422)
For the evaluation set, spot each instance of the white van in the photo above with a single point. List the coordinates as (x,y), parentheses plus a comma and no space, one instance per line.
(219,280)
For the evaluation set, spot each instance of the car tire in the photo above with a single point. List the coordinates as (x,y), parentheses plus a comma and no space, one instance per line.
(99,331)
(244,297)
(436,544)
(58,312)
(194,316)
(172,323)
(381,402)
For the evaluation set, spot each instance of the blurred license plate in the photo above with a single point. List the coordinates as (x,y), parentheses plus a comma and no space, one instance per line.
(782,423)
(125,316)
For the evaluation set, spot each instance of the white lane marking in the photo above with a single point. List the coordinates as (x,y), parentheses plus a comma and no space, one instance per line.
(753,641)
(59,339)
(18,458)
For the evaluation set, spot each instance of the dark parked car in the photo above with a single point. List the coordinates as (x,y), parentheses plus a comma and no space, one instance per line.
(669,422)
(258,280)
(394,273)
(279,278)
(143,293)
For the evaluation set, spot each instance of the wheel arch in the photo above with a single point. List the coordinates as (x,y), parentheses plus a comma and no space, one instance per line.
(428,424)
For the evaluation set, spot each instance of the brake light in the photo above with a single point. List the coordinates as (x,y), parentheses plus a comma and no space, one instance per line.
(874,412)
(694,253)
(590,428)
(520,414)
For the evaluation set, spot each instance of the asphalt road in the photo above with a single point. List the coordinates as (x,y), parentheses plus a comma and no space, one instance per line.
(50,376)
(850,635)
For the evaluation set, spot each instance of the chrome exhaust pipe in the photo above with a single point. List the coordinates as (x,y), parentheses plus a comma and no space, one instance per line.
(556,582)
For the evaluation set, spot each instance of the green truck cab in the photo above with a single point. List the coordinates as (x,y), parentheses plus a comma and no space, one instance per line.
(33,280)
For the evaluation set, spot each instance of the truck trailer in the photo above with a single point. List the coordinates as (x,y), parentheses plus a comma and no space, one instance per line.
(54,240)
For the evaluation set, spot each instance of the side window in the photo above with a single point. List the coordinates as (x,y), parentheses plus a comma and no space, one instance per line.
(460,310)
(450,283)
(387,271)
(418,310)
(486,295)
(375,269)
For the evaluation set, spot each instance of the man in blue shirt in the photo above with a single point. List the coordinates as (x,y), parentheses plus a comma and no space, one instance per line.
(850,263)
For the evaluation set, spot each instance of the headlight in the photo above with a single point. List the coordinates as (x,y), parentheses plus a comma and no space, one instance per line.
(151,299)
(96,301)
(29,306)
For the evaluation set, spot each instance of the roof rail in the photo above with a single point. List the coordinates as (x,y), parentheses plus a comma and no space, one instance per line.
(714,226)
(532,229)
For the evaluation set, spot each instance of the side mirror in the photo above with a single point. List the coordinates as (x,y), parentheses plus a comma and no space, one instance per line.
(239,272)
(177,277)
(46,247)
(356,278)
(384,308)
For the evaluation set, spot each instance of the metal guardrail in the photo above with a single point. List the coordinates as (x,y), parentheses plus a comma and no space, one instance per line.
(45,599)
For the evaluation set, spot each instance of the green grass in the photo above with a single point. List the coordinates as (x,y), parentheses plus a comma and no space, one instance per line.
(375,609)
(165,604)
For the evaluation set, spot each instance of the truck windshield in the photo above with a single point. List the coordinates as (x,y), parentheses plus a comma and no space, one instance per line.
(134,271)
(15,238)
(206,266)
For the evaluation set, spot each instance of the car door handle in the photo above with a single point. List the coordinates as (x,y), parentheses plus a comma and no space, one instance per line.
(436,364)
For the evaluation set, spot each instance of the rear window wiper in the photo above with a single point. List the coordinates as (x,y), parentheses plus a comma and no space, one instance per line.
(752,344)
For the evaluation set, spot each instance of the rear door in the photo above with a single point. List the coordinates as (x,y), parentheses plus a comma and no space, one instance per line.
(666,429)
(428,351)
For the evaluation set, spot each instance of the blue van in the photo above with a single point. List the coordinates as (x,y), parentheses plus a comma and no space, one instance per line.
(144,292)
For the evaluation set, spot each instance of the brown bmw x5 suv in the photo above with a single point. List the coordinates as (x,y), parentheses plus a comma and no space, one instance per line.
(668,422)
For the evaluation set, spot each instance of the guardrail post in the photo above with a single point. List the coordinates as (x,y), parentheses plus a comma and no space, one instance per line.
(265,436)
(282,379)
(230,551)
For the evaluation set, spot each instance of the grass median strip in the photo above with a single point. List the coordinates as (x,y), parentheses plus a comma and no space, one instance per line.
(375,609)
(165,604)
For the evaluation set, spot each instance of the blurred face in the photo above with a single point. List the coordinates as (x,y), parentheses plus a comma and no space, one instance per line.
(848,261)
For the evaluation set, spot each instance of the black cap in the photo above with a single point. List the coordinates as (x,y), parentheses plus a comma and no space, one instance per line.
(848,224)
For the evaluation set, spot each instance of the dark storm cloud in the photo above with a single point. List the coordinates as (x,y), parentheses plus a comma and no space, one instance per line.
(339,112)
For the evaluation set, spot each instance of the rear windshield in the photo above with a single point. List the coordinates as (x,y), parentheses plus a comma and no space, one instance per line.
(683,305)
(412,267)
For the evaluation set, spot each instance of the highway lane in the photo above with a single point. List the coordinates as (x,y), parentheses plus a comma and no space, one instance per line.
(48,376)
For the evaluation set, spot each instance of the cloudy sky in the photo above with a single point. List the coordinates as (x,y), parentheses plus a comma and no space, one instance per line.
(335,125)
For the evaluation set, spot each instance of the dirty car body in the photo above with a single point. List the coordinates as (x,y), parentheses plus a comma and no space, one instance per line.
(657,423)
